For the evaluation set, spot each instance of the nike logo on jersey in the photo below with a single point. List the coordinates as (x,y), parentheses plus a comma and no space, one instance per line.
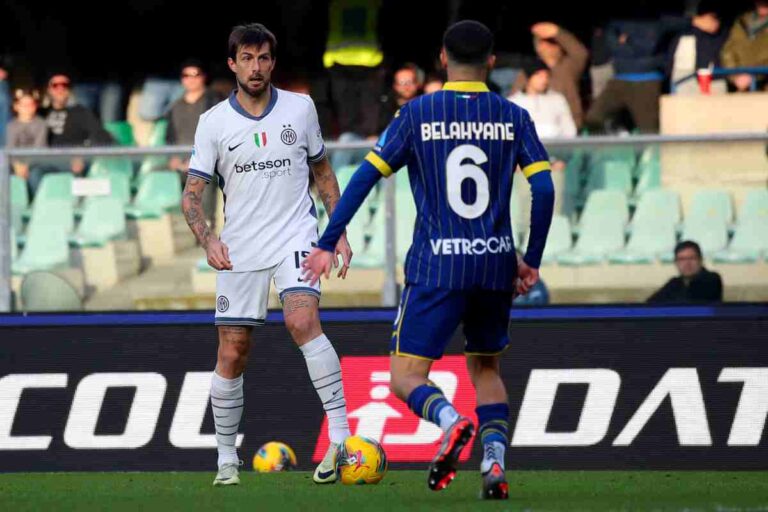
(232,148)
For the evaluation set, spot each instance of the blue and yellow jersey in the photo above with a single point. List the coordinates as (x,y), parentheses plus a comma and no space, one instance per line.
(461,146)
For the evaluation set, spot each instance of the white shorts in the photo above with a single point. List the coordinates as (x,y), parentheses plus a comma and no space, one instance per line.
(242,297)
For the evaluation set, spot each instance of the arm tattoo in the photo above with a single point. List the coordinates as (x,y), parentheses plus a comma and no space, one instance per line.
(296,302)
(327,186)
(192,205)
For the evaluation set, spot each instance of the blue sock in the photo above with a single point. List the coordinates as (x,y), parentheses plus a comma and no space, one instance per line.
(494,428)
(428,402)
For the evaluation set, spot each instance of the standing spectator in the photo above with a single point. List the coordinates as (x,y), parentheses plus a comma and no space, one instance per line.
(639,60)
(71,125)
(747,45)
(406,84)
(567,58)
(601,67)
(695,49)
(433,83)
(5,111)
(28,130)
(694,284)
(353,58)
(185,112)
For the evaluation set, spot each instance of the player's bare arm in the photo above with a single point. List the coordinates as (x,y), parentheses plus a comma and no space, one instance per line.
(329,192)
(192,206)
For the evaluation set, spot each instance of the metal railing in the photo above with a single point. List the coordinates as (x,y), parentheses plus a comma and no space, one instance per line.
(390,292)
(721,72)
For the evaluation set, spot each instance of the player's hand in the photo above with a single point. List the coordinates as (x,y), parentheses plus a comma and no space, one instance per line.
(318,263)
(345,251)
(526,277)
(218,254)
(545,30)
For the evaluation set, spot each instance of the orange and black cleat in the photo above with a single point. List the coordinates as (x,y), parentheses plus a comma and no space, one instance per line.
(495,486)
(442,471)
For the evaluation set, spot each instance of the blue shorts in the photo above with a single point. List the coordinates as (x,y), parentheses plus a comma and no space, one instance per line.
(428,317)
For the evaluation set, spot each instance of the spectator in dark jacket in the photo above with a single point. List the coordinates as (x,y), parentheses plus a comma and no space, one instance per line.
(696,49)
(695,283)
(639,59)
(747,45)
(406,85)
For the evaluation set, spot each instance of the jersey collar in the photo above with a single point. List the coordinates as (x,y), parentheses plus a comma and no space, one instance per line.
(240,110)
(465,86)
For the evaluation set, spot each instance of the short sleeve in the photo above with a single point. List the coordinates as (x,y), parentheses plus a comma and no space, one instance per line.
(532,156)
(315,144)
(205,152)
(395,144)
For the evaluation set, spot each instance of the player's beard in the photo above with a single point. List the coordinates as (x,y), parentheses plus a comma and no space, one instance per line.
(253,92)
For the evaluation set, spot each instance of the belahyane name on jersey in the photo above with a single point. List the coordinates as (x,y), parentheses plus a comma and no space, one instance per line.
(465,130)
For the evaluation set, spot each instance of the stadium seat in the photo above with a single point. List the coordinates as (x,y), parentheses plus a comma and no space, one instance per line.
(374,253)
(755,206)
(603,204)
(711,204)
(120,187)
(159,130)
(344,174)
(658,206)
(559,240)
(19,202)
(159,192)
(56,186)
(103,220)
(103,167)
(749,242)
(122,132)
(46,242)
(404,222)
(44,291)
(650,239)
(598,238)
(649,177)
(711,233)
(617,175)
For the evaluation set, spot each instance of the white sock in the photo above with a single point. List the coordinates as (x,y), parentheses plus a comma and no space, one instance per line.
(325,371)
(227,404)
(447,417)
(492,452)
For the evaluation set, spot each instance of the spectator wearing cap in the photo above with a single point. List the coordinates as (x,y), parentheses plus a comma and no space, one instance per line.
(567,58)
(697,48)
(694,284)
(27,130)
(747,45)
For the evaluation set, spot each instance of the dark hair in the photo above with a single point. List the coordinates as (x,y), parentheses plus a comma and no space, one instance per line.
(687,244)
(468,42)
(534,66)
(192,63)
(252,34)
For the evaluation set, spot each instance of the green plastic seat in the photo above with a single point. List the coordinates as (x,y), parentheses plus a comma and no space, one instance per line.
(711,233)
(559,240)
(749,242)
(649,240)
(103,220)
(122,132)
(19,202)
(658,206)
(755,206)
(120,187)
(44,291)
(374,253)
(606,204)
(649,177)
(159,130)
(711,204)
(103,167)
(46,244)
(599,237)
(404,222)
(617,175)
(54,186)
(159,192)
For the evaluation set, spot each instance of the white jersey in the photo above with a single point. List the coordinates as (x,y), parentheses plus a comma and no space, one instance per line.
(262,164)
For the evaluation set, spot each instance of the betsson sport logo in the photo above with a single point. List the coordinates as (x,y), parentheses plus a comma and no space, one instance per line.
(376,413)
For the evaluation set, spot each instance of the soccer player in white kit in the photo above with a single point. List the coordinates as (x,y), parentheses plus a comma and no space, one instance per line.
(261,144)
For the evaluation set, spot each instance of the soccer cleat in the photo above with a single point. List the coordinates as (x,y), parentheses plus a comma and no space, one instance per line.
(325,473)
(229,474)
(443,468)
(495,486)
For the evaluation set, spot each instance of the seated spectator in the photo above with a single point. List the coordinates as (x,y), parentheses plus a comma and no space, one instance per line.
(433,83)
(639,62)
(566,58)
(5,112)
(185,112)
(695,283)
(71,125)
(28,130)
(549,109)
(747,45)
(696,49)
(406,85)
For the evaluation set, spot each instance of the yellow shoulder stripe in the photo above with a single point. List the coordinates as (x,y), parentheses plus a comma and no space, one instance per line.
(535,168)
(379,163)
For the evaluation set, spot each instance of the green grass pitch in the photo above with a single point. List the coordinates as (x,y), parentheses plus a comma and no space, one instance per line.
(399,491)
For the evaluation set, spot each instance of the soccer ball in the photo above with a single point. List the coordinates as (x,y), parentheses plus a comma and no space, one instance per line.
(360,460)
(274,456)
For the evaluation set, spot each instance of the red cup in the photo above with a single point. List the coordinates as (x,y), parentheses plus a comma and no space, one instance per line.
(704,75)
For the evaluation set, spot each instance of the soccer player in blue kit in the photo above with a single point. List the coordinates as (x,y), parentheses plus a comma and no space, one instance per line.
(461,146)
